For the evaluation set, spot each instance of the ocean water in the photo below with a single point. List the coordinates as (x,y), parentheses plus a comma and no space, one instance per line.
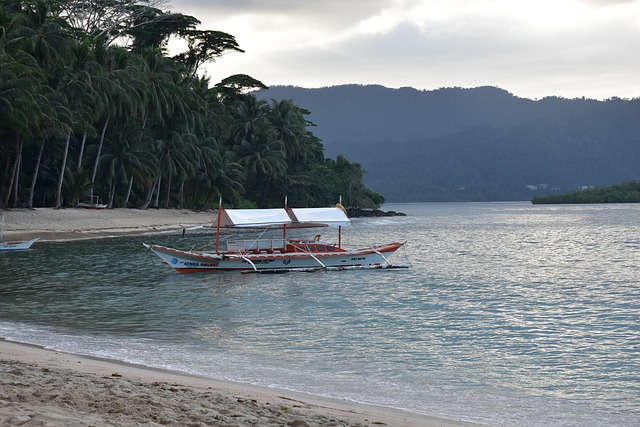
(510,314)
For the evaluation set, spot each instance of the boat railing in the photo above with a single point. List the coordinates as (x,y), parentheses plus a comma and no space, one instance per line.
(255,245)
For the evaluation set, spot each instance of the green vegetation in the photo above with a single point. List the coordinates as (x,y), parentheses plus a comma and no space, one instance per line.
(92,103)
(627,192)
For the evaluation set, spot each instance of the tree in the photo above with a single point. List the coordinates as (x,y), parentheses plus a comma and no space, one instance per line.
(205,46)
(176,159)
(152,28)
(236,87)
(77,109)
(109,20)
(21,109)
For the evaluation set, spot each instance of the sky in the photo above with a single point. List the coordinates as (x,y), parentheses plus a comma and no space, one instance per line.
(531,48)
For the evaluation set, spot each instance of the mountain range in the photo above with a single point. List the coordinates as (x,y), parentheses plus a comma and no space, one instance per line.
(477,144)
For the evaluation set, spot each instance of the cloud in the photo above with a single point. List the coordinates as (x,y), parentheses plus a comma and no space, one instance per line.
(531,48)
(608,2)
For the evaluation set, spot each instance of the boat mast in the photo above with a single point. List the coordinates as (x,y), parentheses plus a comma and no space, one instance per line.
(339,226)
(284,226)
(218,223)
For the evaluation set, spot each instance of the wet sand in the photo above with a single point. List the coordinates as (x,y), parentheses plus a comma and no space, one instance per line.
(45,387)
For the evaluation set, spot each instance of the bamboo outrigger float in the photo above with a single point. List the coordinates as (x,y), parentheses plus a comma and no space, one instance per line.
(280,254)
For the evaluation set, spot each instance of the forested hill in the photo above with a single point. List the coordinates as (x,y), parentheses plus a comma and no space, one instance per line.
(476,144)
(626,192)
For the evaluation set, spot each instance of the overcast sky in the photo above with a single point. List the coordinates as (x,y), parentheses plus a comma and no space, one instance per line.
(531,48)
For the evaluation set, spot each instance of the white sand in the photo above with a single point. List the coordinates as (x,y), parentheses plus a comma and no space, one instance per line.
(73,224)
(42,387)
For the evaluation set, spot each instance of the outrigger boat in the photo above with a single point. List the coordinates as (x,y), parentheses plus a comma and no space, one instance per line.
(280,254)
(92,202)
(18,246)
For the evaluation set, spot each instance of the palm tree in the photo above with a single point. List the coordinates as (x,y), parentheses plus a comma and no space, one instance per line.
(50,127)
(23,107)
(290,127)
(87,72)
(118,93)
(176,157)
(74,84)
(32,46)
(263,160)
(227,182)
(250,118)
(123,158)
(160,77)
(42,36)
(68,121)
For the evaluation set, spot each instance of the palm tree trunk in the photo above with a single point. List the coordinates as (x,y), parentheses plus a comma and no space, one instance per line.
(5,172)
(32,190)
(126,199)
(17,180)
(168,191)
(84,139)
(13,173)
(181,195)
(95,165)
(62,168)
(112,194)
(157,202)
(147,201)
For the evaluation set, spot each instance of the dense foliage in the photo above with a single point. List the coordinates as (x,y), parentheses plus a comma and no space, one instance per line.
(627,192)
(92,104)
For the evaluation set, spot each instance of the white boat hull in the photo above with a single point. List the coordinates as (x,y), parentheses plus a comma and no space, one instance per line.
(189,262)
(22,246)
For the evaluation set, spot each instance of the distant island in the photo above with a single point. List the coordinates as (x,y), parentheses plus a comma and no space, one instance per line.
(626,192)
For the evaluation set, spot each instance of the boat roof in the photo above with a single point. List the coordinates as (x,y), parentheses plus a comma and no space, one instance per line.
(254,217)
(293,217)
(328,216)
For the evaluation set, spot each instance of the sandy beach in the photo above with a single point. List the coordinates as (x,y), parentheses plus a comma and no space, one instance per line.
(46,387)
(73,224)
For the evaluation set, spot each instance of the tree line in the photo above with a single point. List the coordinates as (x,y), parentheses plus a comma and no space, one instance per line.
(91,103)
(626,192)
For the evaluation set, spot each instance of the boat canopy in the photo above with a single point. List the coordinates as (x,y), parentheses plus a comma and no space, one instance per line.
(277,218)
(326,216)
(254,218)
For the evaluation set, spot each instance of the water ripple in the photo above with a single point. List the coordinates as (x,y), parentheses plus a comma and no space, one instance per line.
(512,314)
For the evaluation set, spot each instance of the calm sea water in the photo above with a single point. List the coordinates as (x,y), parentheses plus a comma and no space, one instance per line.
(511,314)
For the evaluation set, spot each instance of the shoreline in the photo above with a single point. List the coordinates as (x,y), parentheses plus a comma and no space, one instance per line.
(41,386)
(67,224)
(55,225)
(44,386)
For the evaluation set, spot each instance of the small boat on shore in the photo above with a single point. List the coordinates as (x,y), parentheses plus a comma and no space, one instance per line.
(17,246)
(280,253)
(92,202)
